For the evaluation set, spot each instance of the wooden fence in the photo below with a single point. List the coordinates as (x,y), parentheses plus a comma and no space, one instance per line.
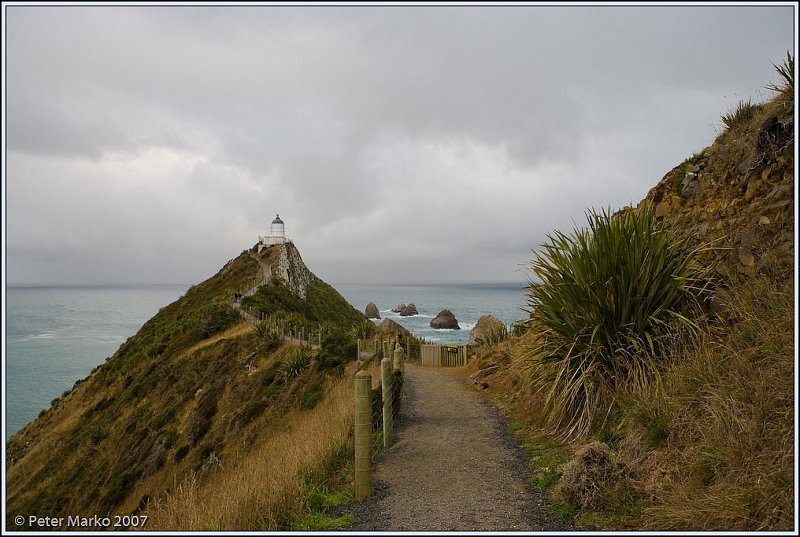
(444,355)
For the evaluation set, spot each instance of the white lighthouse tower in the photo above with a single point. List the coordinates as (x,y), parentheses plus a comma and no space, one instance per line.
(277,234)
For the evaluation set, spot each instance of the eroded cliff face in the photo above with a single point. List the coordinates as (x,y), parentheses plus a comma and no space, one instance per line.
(291,269)
(284,261)
(738,194)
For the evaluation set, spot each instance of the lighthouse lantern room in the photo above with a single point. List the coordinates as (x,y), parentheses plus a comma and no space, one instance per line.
(276,235)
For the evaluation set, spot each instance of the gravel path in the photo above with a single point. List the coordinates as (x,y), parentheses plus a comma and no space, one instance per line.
(453,466)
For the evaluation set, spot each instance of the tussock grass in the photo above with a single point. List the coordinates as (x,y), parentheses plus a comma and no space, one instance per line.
(786,73)
(600,310)
(740,115)
(710,448)
(265,491)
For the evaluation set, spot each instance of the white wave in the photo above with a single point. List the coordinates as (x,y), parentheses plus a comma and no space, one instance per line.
(46,335)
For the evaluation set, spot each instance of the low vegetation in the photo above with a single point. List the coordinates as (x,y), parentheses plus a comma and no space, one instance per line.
(282,484)
(740,115)
(785,88)
(195,390)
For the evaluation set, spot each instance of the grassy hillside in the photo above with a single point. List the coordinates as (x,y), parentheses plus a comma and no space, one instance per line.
(194,390)
(679,417)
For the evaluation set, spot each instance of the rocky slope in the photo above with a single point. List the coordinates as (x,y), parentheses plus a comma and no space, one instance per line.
(738,194)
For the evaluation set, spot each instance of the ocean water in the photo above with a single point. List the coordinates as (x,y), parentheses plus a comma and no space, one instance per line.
(57,335)
(468,302)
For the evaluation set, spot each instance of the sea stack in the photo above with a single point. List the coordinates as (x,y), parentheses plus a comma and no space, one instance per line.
(409,310)
(372,311)
(445,320)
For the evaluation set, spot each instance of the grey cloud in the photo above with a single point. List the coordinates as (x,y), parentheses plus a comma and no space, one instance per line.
(471,131)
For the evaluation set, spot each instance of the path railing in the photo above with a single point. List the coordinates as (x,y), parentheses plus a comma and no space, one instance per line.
(284,330)
(377,407)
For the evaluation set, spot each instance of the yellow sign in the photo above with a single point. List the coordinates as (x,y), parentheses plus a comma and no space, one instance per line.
(452,348)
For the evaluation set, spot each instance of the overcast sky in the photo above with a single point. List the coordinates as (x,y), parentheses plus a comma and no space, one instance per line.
(399,144)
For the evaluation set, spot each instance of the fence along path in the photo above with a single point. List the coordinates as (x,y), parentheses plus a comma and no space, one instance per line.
(289,332)
(452,466)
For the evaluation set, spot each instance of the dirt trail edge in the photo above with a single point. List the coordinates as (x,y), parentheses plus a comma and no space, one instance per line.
(453,466)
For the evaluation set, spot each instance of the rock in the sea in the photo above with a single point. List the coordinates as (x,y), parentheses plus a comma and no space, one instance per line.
(372,311)
(409,310)
(485,328)
(399,308)
(445,320)
(388,326)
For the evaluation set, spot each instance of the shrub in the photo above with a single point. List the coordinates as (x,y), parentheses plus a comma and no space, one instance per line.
(312,396)
(364,330)
(98,433)
(265,333)
(249,411)
(294,364)
(181,453)
(604,298)
(338,348)
(203,414)
(163,417)
(215,318)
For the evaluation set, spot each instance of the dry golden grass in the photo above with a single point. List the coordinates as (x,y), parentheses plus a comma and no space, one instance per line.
(731,404)
(264,490)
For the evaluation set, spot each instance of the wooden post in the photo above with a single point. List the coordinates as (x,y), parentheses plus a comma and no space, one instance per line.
(363,436)
(398,358)
(386,385)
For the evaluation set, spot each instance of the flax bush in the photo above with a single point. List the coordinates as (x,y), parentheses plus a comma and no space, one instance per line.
(601,300)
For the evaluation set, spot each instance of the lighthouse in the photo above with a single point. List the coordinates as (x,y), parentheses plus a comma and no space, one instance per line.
(276,235)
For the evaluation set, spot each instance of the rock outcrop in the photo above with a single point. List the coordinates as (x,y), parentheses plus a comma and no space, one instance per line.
(738,195)
(445,320)
(291,269)
(400,307)
(372,311)
(389,326)
(409,310)
(486,327)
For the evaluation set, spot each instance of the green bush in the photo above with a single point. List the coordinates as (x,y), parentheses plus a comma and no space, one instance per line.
(604,298)
(312,396)
(215,318)
(338,348)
